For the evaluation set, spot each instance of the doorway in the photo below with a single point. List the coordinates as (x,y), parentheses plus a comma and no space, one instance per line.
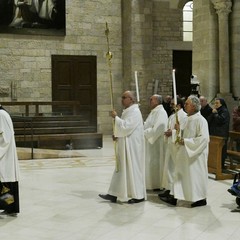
(182,63)
(74,78)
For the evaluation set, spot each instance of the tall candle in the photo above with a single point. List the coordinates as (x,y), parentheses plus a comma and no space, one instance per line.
(174,87)
(156,86)
(137,90)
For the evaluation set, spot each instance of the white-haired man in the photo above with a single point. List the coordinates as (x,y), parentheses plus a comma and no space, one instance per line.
(128,183)
(191,169)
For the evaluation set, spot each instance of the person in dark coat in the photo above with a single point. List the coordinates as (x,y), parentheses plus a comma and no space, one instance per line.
(219,124)
(167,105)
(206,110)
(236,124)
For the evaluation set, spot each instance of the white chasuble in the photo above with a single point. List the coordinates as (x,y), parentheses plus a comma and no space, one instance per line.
(8,155)
(191,169)
(129,180)
(172,148)
(154,128)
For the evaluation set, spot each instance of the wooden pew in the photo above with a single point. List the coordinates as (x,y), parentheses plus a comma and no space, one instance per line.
(73,105)
(233,154)
(84,140)
(215,158)
(75,126)
(56,132)
(51,125)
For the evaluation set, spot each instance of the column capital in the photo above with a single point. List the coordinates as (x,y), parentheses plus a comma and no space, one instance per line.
(222,7)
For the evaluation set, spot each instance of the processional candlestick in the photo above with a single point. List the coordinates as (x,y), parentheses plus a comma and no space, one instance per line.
(109,60)
(178,137)
(137,89)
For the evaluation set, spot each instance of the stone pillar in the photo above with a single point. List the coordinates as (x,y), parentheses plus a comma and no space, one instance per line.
(205,48)
(223,8)
(137,47)
(235,49)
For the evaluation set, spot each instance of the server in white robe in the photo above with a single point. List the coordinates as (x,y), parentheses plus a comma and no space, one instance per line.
(128,183)
(171,136)
(154,128)
(191,170)
(9,169)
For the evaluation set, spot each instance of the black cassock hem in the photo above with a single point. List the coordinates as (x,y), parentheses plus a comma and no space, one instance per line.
(14,190)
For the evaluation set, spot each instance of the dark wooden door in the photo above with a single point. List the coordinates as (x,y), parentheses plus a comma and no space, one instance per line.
(74,78)
(182,63)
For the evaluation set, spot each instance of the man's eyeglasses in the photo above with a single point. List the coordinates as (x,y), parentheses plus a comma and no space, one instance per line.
(124,97)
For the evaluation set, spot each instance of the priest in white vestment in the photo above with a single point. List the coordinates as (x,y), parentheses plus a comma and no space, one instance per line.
(171,136)
(191,169)
(128,182)
(154,128)
(9,169)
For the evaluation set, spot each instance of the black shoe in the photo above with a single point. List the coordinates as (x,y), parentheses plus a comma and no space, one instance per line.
(164,193)
(232,192)
(170,200)
(199,203)
(134,200)
(12,214)
(108,197)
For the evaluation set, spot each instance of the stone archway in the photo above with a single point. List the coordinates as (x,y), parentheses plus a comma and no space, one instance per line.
(181,3)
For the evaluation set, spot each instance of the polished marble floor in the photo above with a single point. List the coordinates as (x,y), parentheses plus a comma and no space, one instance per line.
(59,201)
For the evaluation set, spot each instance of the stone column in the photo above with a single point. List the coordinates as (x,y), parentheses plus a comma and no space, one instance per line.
(137,47)
(235,49)
(223,8)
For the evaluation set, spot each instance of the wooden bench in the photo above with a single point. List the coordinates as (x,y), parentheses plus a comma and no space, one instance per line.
(215,158)
(55,132)
(233,154)
(52,129)
(73,105)
(60,141)
(51,124)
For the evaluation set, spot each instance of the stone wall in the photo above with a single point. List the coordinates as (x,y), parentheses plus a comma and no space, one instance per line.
(205,48)
(152,32)
(142,36)
(167,37)
(208,36)
(235,48)
(25,60)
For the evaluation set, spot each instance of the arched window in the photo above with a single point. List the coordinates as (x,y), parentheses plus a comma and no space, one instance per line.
(187,21)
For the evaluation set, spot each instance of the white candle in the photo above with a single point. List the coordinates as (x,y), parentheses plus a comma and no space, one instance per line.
(174,88)
(136,83)
(156,86)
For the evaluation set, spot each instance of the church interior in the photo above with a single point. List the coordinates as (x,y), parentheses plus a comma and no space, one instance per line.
(63,71)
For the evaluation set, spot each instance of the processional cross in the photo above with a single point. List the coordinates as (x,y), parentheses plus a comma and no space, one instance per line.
(109,61)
